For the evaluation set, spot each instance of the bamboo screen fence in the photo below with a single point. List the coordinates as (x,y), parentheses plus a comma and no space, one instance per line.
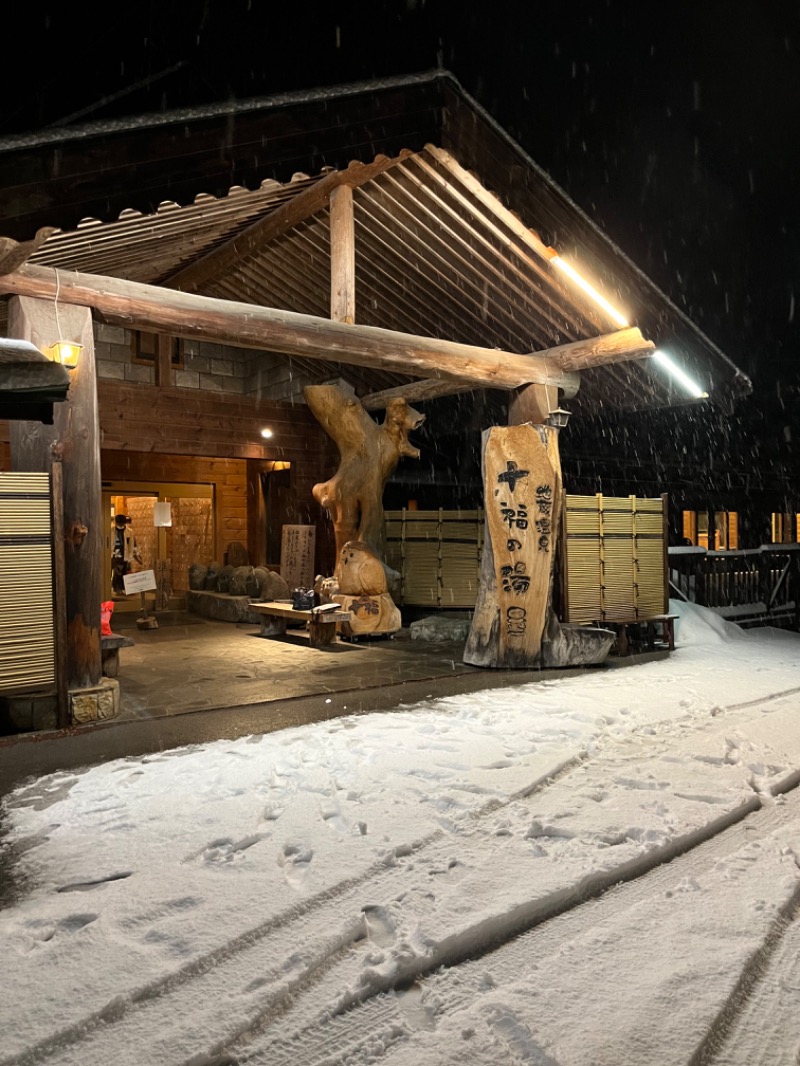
(615,558)
(437,554)
(27,643)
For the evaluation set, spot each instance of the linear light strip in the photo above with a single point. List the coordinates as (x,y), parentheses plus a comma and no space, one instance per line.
(590,290)
(680,375)
(664,360)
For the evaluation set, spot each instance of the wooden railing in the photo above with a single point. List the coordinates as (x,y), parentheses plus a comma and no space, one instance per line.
(760,586)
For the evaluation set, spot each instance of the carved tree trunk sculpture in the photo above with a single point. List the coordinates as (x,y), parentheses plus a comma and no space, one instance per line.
(368,454)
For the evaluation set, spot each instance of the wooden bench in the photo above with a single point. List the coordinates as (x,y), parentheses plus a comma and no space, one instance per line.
(321,623)
(656,628)
(109,650)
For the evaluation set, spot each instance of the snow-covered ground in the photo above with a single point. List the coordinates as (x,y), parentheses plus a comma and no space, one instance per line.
(600,870)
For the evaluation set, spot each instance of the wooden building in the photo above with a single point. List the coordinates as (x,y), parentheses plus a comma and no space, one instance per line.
(389,234)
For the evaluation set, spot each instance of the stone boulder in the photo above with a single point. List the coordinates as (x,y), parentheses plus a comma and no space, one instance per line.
(273,587)
(224,579)
(197,577)
(222,608)
(244,582)
(440,627)
(212,577)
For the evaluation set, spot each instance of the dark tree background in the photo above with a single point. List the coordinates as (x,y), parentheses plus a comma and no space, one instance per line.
(676,126)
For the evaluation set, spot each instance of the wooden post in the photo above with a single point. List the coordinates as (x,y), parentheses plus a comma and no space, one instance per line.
(60,595)
(343,255)
(74,437)
(531,403)
(521,500)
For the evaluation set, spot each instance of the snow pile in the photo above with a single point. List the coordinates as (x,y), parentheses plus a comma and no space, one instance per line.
(599,862)
(698,625)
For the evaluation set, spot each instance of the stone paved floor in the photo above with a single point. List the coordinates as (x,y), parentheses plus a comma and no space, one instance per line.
(180,668)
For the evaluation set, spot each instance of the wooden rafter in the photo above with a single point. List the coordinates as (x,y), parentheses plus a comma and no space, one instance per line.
(181,314)
(250,241)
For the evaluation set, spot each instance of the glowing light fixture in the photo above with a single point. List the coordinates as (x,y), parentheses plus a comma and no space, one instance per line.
(672,368)
(266,433)
(573,275)
(64,352)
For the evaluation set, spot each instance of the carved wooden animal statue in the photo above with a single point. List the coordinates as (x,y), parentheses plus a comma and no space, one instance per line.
(360,570)
(368,454)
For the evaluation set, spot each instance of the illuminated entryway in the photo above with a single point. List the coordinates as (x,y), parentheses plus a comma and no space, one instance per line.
(168,550)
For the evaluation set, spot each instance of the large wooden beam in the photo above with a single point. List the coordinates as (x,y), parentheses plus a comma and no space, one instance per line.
(242,325)
(421,390)
(250,241)
(431,388)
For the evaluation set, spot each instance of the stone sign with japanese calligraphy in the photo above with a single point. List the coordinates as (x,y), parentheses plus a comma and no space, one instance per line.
(297,555)
(521,494)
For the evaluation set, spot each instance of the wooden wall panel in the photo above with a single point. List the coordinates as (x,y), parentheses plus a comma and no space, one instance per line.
(193,436)
(183,435)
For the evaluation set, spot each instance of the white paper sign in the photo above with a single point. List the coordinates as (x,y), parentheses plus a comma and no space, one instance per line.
(144,581)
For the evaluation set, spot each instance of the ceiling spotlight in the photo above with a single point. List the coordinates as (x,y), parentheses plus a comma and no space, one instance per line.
(266,433)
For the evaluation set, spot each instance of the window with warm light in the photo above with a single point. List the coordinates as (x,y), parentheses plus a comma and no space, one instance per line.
(782,528)
(721,535)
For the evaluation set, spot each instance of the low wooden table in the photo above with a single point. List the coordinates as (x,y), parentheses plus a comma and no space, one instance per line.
(321,624)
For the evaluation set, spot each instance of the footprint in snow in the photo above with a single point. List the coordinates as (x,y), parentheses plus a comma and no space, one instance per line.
(380,926)
(331,814)
(295,859)
(226,850)
(71,924)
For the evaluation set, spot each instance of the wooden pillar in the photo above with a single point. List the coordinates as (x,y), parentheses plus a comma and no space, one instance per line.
(531,403)
(521,499)
(74,437)
(343,255)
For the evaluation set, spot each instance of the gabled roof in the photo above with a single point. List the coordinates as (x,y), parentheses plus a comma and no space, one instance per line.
(454,225)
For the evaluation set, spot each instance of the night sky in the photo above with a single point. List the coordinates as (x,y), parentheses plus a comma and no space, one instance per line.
(676,126)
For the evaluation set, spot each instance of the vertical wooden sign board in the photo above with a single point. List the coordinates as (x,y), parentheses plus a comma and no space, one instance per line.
(521,501)
(297,555)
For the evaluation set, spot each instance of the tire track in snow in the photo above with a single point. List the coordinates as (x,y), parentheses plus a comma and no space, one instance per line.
(252,951)
(215,965)
(721,836)
(752,1027)
(371,1024)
